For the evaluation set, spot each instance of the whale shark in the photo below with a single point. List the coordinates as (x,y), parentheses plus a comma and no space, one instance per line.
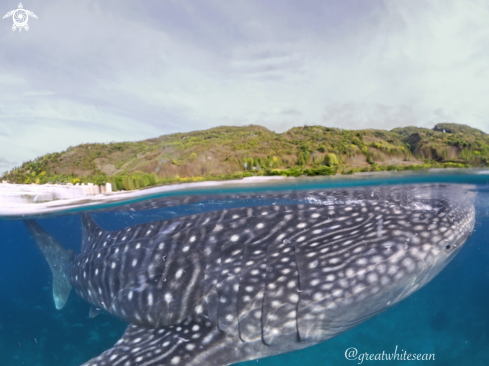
(236,284)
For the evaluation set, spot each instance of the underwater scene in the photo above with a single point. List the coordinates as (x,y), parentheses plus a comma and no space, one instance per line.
(387,269)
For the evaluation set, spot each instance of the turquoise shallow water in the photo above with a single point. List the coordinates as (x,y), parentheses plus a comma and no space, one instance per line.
(448,318)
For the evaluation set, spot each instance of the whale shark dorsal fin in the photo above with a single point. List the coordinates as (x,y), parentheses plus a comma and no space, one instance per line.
(191,343)
(57,257)
(91,231)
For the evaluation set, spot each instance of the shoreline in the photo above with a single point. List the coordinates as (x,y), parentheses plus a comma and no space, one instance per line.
(31,199)
(18,200)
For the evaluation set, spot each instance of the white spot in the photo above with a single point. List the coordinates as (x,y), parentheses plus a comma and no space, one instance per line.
(294,298)
(317,296)
(195,328)
(179,273)
(314,215)
(372,278)
(190,346)
(150,299)
(192,239)
(218,228)
(362,261)
(338,292)
(175,360)
(185,248)
(260,225)
(376,259)
(314,282)
(301,225)
(124,238)
(134,262)
(408,263)
(234,238)
(129,295)
(113,265)
(138,245)
(96,271)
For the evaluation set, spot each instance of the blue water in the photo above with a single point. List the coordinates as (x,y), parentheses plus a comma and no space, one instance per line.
(448,318)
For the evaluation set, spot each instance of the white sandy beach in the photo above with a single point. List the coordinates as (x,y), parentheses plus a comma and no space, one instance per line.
(33,199)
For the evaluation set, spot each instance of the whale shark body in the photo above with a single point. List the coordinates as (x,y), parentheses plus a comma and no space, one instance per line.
(238,284)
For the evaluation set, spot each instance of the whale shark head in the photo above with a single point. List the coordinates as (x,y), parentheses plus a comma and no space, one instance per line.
(399,245)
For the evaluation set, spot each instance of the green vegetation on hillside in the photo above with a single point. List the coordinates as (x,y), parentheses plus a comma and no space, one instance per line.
(236,152)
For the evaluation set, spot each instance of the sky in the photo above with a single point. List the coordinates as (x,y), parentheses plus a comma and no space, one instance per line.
(127,70)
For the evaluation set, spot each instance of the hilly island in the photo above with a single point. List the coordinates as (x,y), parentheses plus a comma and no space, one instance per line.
(235,152)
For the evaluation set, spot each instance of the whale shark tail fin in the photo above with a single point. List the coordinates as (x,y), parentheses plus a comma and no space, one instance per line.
(57,257)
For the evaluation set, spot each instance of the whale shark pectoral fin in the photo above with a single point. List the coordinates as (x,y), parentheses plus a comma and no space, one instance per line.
(57,257)
(188,343)
(173,345)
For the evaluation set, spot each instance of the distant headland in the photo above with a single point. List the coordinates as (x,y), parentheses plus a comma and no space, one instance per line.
(235,152)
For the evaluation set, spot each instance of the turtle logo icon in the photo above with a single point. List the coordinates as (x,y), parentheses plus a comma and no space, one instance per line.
(20,17)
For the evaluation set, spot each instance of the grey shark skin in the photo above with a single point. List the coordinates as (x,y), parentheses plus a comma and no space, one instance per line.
(239,284)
